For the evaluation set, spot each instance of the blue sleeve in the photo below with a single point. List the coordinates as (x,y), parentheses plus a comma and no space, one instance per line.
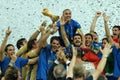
(99,54)
(4,63)
(58,23)
(42,69)
(116,55)
(77,25)
(68,49)
(23,62)
(114,50)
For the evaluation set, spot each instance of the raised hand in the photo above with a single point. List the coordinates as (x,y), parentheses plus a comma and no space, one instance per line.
(13,57)
(105,17)
(62,21)
(107,50)
(8,31)
(98,14)
(44,23)
(42,28)
(60,53)
(54,28)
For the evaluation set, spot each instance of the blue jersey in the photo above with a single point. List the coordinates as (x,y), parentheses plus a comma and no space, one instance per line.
(70,28)
(45,61)
(116,54)
(19,63)
(97,45)
(4,63)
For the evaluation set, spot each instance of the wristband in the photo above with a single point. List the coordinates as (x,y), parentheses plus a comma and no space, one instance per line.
(105,56)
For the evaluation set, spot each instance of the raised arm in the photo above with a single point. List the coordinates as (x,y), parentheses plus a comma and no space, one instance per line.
(92,27)
(42,39)
(63,33)
(23,49)
(35,52)
(2,48)
(106,51)
(53,27)
(72,63)
(36,33)
(105,17)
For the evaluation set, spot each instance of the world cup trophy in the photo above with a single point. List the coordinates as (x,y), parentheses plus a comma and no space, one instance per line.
(48,13)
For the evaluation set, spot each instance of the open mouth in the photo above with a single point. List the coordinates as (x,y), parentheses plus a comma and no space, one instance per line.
(87,42)
(54,48)
(77,42)
(67,18)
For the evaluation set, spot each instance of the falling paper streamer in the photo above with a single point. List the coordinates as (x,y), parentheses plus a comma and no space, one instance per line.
(100,5)
(23,16)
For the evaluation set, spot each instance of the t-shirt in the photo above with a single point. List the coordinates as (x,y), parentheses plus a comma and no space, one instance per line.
(96,45)
(89,67)
(19,63)
(45,61)
(88,78)
(90,56)
(116,54)
(70,28)
(116,40)
(4,63)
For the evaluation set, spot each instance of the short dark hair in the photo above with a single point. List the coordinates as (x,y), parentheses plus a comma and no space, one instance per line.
(11,73)
(116,26)
(8,46)
(95,33)
(105,39)
(55,38)
(88,34)
(66,10)
(20,42)
(77,35)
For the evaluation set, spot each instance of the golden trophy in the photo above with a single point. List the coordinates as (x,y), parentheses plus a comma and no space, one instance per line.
(48,13)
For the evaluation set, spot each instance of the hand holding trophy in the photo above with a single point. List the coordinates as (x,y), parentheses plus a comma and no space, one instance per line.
(48,13)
